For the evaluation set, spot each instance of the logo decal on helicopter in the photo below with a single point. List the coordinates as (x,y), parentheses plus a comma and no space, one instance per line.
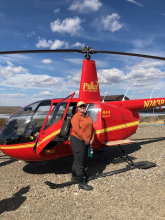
(105,114)
(154,103)
(93,87)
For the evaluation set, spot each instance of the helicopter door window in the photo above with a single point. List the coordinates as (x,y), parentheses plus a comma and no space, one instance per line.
(56,115)
(92,111)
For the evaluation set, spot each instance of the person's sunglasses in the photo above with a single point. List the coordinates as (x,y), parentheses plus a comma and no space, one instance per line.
(82,106)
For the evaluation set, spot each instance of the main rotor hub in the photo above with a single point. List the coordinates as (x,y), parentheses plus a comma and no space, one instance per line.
(88,50)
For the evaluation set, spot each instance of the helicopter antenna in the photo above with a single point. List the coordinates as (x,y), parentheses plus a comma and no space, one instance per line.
(123,99)
(104,95)
(152,92)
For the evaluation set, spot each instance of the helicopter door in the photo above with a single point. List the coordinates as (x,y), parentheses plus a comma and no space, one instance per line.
(55,129)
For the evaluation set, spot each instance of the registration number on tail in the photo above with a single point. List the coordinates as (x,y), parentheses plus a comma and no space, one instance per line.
(154,103)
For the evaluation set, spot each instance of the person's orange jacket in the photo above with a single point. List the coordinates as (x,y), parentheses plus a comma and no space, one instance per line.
(82,127)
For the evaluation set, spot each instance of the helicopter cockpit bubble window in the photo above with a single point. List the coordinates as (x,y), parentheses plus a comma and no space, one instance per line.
(25,124)
(92,111)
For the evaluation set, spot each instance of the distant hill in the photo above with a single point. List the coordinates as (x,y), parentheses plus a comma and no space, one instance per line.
(8,109)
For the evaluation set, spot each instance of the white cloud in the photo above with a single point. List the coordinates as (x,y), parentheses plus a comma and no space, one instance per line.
(111,23)
(35,95)
(76,78)
(142,43)
(46,61)
(14,58)
(9,70)
(31,34)
(82,6)
(68,25)
(57,10)
(46,93)
(43,80)
(110,76)
(74,61)
(135,2)
(25,80)
(162,14)
(138,92)
(145,73)
(13,95)
(146,64)
(78,44)
(43,43)
(58,44)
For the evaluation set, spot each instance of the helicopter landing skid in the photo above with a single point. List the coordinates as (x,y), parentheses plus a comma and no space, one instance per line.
(139,165)
(131,165)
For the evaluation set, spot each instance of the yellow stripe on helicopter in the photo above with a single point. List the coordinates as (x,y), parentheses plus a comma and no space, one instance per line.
(113,128)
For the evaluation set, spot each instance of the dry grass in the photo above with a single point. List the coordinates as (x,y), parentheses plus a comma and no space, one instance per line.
(8,109)
(2,120)
(153,120)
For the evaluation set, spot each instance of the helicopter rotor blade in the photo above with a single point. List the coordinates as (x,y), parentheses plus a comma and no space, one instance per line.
(132,54)
(88,50)
(37,51)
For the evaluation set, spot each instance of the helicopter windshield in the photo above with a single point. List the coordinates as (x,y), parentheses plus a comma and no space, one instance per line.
(24,126)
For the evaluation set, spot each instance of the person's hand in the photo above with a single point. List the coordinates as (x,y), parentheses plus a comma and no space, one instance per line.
(87,142)
(91,142)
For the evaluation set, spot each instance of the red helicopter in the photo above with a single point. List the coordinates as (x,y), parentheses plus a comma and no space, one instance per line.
(40,131)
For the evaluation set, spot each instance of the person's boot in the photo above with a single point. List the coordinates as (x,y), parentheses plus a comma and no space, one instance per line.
(86,176)
(83,184)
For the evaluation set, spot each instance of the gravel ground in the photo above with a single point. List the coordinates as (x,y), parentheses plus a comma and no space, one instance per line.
(134,195)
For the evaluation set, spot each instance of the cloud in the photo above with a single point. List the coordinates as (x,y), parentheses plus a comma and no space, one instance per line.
(46,93)
(14,58)
(162,14)
(84,6)
(58,44)
(31,34)
(68,25)
(74,61)
(46,61)
(9,70)
(78,44)
(142,43)
(57,10)
(146,64)
(14,95)
(110,22)
(110,76)
(19,77)
(145,73)
(43,43)
(43,80)
(135,2)
(35,95)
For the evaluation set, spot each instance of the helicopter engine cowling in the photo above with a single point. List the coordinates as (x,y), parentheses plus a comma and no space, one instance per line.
(117,123)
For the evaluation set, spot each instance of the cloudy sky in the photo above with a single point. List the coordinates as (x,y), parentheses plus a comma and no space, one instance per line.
(115,25)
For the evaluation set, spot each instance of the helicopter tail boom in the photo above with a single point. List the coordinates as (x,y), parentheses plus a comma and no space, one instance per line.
(140,104)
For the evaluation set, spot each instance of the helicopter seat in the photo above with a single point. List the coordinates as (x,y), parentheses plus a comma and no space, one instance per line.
(66,126)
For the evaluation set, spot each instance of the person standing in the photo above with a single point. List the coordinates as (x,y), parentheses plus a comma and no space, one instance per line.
(81,137)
